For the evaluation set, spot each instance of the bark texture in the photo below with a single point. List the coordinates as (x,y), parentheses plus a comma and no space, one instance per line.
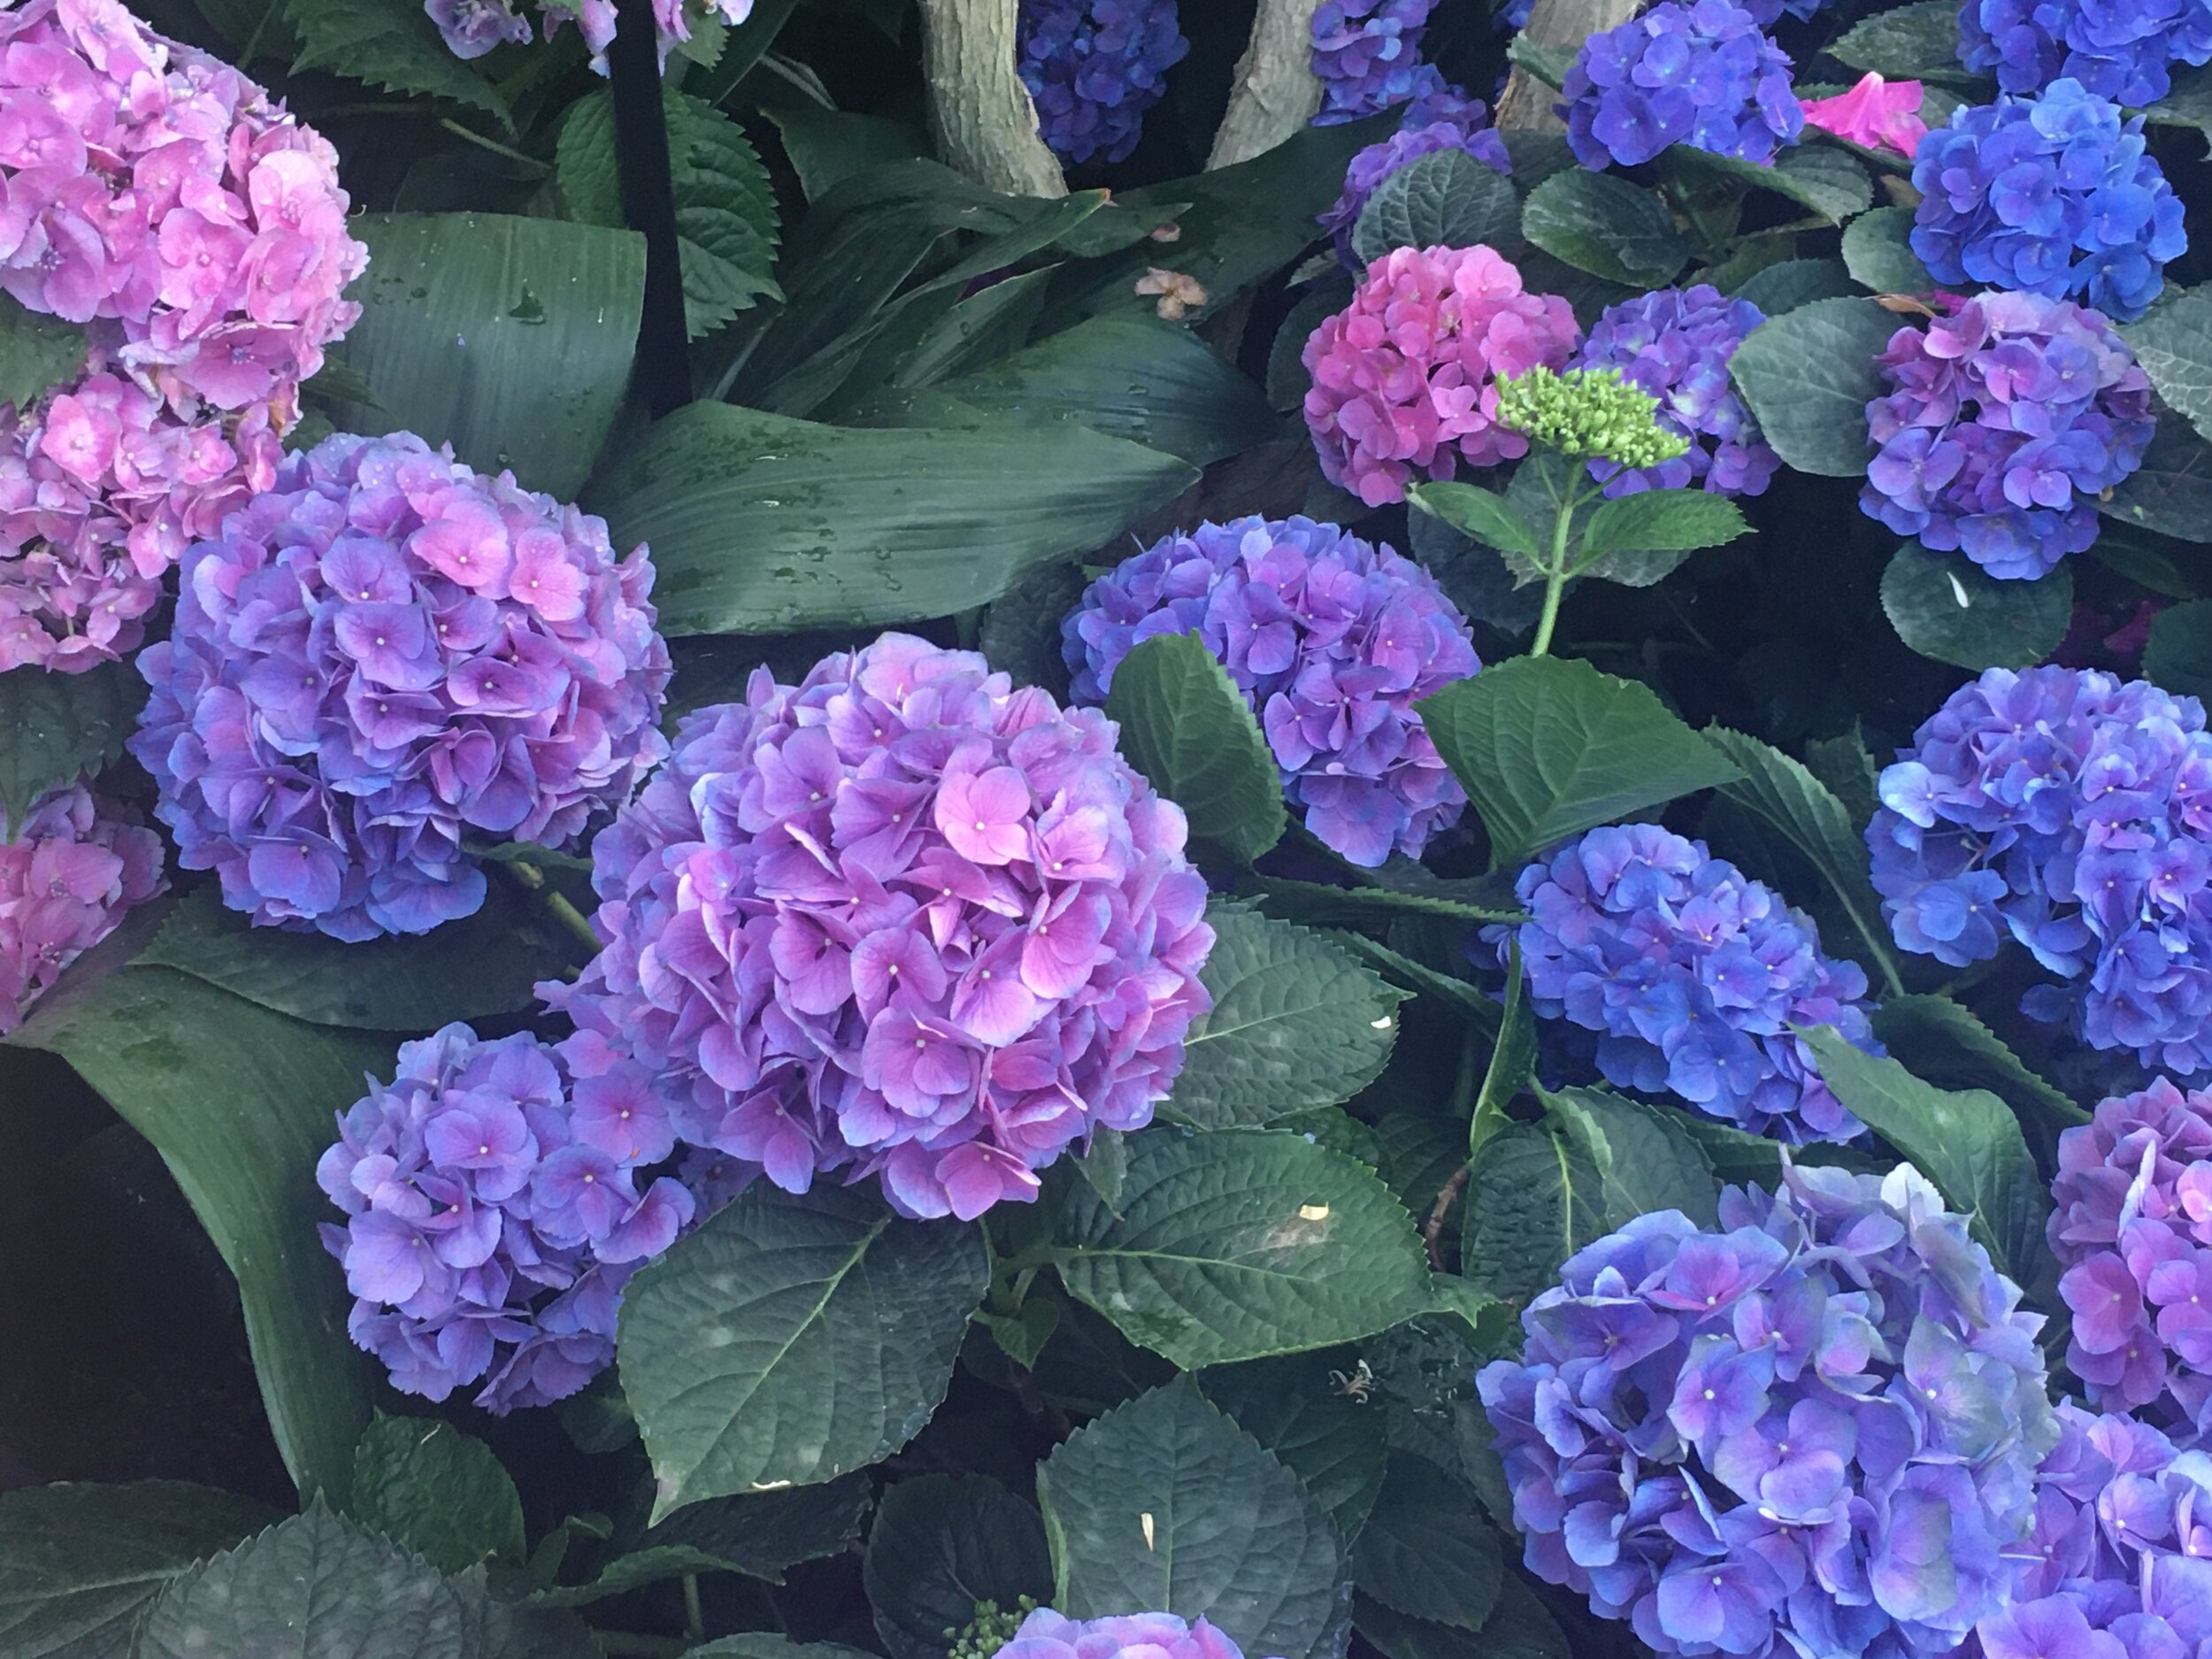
(1526,104)
(1276,91)
(985,125)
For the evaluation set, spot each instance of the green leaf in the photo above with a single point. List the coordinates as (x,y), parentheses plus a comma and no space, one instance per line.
(1133,377)
(1511,1070)
(1820,177)
(762,1644)
(1446,199)
(1843,764)
(1658,521)
(1968,1142)
(310,1586)
(655,1563)
(1519,1629)
(792,1338)
(1919,42)
(848,528)
(1316,904)
(828,147)
(1877,248)
(1548,747)
(509,338)
(2179,655)
(1483,514)
(1645,1158)
(80,1564)
(1021,631)
(2188,100)
(424,1484)
(389,43)
(942,1544)
(1188,729)
(2174,345)
(1427,1551)
(36,353)
(1946,607)
(1783,287)
(1241,1244)
(484,964)
(53,727)
(2172,492)
(1533,1199)
(764,1534)
(1946,1043)
(1295,1405)
(1294,1024)
(1021,1336)
(239,1102)
(1601,223)
(1809,376)
(1164,1504)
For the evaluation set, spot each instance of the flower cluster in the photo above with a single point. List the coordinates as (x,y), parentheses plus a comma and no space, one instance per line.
(197,234)
(1692,973)
(473,28)
(1675,345)
(2125,53)
(2009,415)
(2131,1226)
(1404,378)
(1589,415)
(898,920)
(1875,114)
(2075,812)
(75,865)
(2052,194)
(1093,67)
(494,1213)
(1331,639)
(1045,1635)
(1431,127)
(1367,56)
(381,655)
(1700,74)
(1813,1432)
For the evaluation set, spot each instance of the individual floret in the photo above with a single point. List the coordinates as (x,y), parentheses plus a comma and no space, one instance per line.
(1430,127)
(473,28)
(1093,67)
(1367,55)
(1675,345)
(73,868)
(1700,74)
(2122,52)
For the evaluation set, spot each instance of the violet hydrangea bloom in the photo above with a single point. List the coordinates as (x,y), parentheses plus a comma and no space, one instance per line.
(1093,67)
(2073,812)
(72,870)
(1812,1430)
(1045,1635)
(899,921)
(197,234)
(1331,640)
(1692,974)
(473,28)
(2052,195)
(496,1202)
(1431,127)
(2125,53)
(1675,345)
(2008,416)
(1367,56)
(1405,378)
(1700,74)
(383,654)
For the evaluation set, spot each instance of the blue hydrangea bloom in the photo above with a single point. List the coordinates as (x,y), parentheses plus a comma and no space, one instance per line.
(2121,52)
(2052,195)
(1093,67)
(1675,345)
(2073,812)
(1700,74)
(1367,54)
(1814,1429)
(1332,640)
(1447,120)
(1692,974)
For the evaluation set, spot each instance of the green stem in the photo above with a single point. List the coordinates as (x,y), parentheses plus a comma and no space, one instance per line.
(694,1616)
(555,905)
(496,147)
(1556,574)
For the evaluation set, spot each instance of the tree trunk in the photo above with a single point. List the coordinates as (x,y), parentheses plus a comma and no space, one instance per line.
(1526,104)
(985,125)
(1276,91)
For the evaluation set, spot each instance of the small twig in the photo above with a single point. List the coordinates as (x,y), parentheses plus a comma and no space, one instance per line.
(1433,1230)
(555,903)
(694,1616)
(453,127)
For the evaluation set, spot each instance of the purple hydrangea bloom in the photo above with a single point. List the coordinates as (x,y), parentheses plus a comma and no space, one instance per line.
(497,1198)
(2008,415)
(1367,54)
(1045,1635)
(1675,345)
(1431,127)
(2074,812)
(1692,974)
(899,921)
(1093,67)
(2131,1226)
(2121,52)
(73,868)
(1814,1430)
(1700,74)
(1332,640)
(382,655)
(473,28)
(2052,195)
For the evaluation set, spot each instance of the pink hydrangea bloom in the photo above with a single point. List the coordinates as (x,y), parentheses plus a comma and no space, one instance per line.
(197,233)
(1405,378)
(1877,113)
(66,878)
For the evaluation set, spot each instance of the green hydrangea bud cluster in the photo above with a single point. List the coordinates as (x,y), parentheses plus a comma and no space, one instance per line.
(990,1629)
(1586,413)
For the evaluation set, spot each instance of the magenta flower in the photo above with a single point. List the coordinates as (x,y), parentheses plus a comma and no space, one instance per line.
(1045,1635)
(73,867)
(900,920)
(1877,114)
